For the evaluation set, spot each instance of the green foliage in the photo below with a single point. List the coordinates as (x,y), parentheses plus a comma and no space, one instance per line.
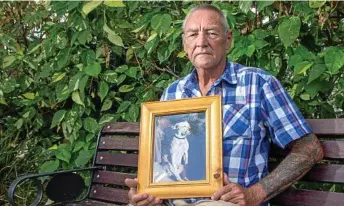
(70,67)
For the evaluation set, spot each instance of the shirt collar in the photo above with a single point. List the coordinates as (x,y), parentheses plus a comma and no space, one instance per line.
(228,75)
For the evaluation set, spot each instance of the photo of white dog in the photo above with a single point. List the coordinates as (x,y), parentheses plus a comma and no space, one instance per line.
(180,147)
(177,139)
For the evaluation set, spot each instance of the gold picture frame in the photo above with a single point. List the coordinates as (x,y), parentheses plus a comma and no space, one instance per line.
(180,151)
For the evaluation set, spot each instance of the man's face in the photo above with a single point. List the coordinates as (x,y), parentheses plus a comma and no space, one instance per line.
(205,41)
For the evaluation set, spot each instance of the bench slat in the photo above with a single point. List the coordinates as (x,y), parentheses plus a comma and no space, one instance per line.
(115,178)
(319,127)
(113,195)
(108,158)
(332,149)
(109,143)
(332,173)
(122,128)
(294,197)
(323,127)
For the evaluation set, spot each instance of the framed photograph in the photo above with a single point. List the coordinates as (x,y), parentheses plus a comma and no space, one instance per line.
(180,152)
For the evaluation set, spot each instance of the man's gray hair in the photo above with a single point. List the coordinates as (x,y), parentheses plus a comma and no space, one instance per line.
(223,19)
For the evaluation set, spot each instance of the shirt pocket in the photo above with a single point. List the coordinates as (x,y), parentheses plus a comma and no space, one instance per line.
(236,122)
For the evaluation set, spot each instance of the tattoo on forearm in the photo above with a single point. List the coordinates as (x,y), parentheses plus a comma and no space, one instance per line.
(304,154)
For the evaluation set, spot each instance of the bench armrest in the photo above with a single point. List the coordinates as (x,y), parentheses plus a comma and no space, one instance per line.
(38,184)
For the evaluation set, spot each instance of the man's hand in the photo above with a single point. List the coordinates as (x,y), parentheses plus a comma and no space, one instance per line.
(236,194)
(140,199)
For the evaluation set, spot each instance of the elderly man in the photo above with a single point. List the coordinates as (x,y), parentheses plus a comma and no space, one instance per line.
(254,104)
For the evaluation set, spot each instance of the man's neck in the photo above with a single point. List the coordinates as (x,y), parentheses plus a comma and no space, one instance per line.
(207,77)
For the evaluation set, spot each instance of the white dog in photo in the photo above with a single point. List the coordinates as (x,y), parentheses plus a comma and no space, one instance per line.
(180,147)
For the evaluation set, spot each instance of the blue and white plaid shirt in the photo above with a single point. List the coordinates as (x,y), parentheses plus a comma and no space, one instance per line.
(254,105)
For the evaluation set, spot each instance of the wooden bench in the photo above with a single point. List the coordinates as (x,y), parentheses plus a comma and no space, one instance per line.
(117,155)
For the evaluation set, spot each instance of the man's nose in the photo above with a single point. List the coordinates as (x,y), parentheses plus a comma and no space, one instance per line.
(202,40)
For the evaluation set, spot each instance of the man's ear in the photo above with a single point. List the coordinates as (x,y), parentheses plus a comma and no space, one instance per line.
(229,39)
(184,44)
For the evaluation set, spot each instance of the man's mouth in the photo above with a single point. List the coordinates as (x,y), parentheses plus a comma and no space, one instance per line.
(204,53)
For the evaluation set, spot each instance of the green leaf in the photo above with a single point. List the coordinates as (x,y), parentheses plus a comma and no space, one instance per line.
(7,61)
(90,125)
(163,53)
(30,96)
(289,30)
(106,105)
(132,72)
(83,157)
(77,99)
(62,92)
(57,77)
(63,154)
(111,3)
(313,88)
(58,117)
(49,166)
(263,4)
(250,50)
(78,145)
(161,23)
(302,67)
(122,69)
(110,76)
(316,4)
(134,112)
(260,34)
(124,105)
(62,57)
(334,59)
(83,83)
(126,88)
(295,59)
(2,101)
(61,40)
(106,118)
(181,54)
(89,6)
(305,97)
(74,81)
(19,123)
(103,90)
(151,43)
(259,44)
(9,85)
(93,69)
(120,79)
(83,36)
(316,72)
(113,37)
(245,6)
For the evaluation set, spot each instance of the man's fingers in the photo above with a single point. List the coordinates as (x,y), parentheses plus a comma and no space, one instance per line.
(226,181)
(227,197)
(220,192)
(131,183)
(140,199)
(153,201)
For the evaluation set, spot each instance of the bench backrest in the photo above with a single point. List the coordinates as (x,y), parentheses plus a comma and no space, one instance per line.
(118,154)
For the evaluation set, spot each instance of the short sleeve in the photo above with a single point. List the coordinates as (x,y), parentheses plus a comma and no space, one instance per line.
(281,114)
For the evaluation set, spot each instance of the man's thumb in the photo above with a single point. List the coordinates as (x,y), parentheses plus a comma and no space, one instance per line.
(226,181)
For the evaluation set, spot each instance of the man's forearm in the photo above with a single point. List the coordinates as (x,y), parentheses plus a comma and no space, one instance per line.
(305,152)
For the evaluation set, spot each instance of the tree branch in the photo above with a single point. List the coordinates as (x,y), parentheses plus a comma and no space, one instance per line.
(168,70)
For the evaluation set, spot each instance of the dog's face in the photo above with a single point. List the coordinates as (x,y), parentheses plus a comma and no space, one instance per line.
(183,128)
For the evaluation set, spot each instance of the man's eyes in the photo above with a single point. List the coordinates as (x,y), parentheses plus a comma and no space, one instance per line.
(210,34)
